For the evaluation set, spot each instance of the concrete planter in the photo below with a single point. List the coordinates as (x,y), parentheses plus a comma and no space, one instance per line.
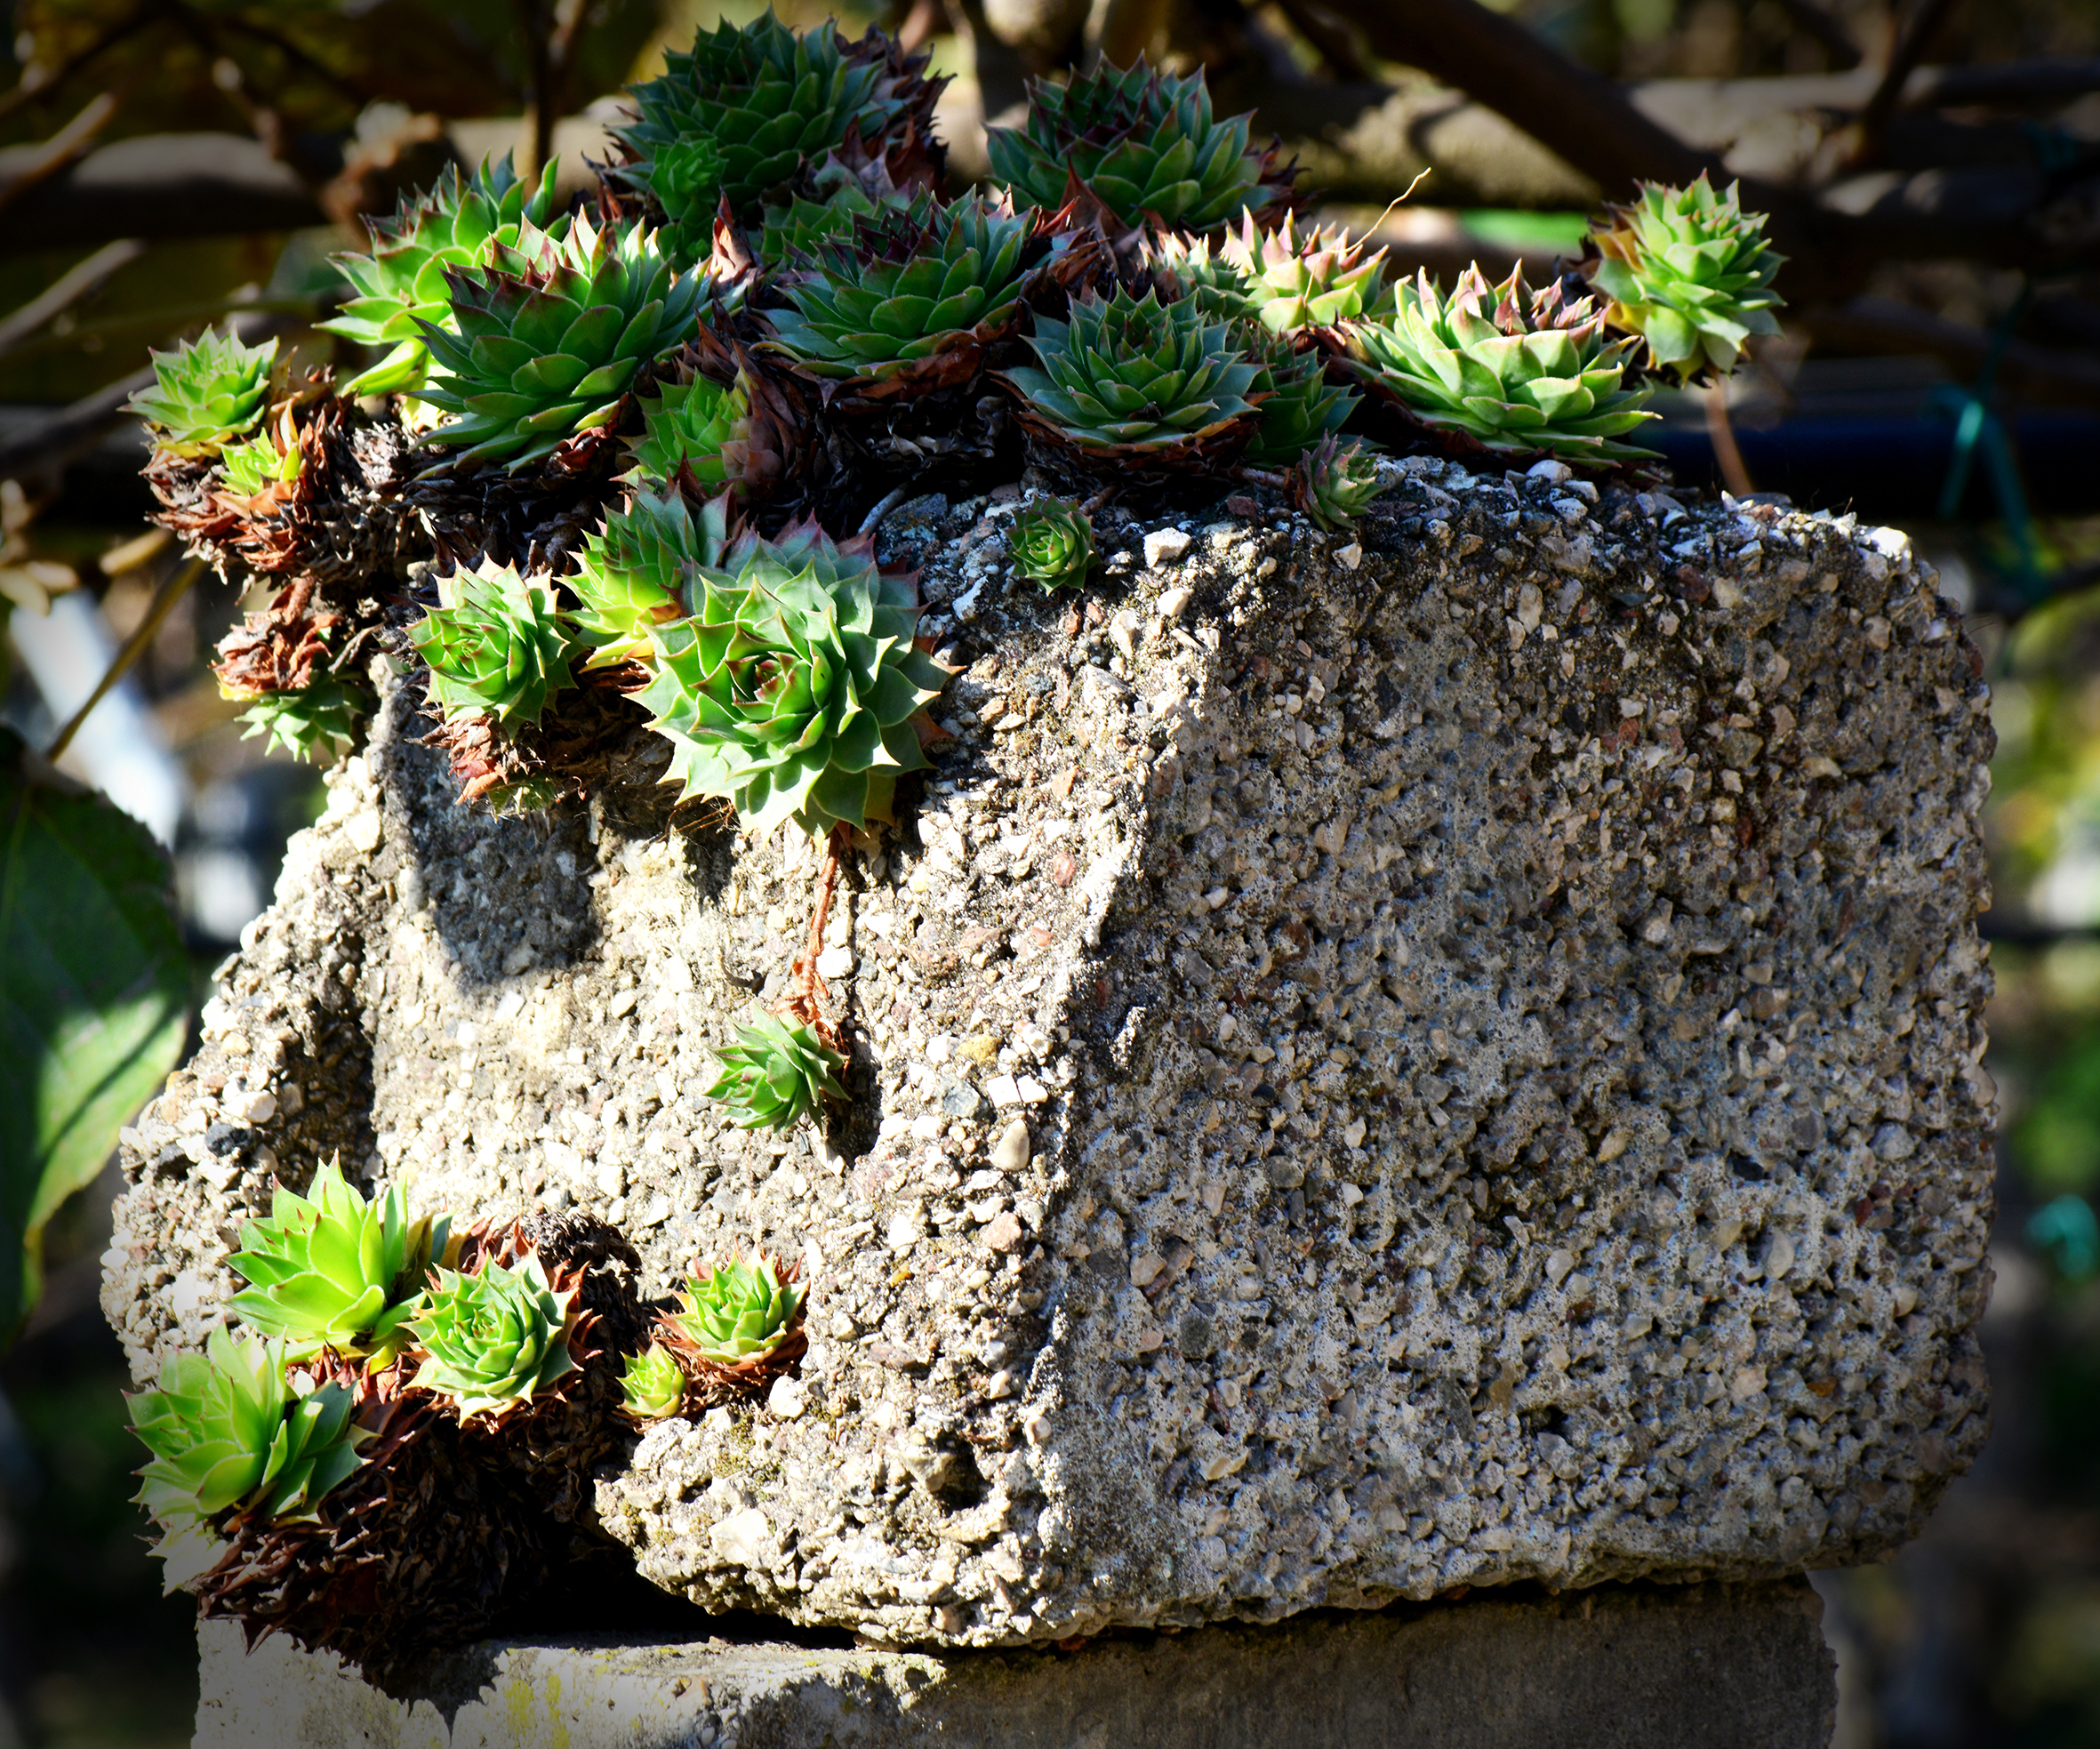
(1434,1057)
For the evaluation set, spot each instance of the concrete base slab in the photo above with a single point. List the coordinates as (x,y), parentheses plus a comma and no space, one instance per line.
(1710,1666)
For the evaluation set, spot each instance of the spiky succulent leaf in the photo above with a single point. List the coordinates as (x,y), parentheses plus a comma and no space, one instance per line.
(1134,377)
(1292,283)
(1690,272)
(1143,143)
(791,689)
(775,1073)
(1300,407)
(494,1339)
(324,714)
(205,393)
(496,645)
(1052,543)
(226,1429)
(1512,369)
(686,426)
(254,465)
(767,99)
(334,1268)
(551,333)
(738,1311)
(400,280)
(801,226)
(908,284)
(636,572)
(1335,483)
(653,1385)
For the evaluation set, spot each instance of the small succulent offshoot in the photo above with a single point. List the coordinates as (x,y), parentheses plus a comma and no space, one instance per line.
(1300,407)
(1515,371)
(653,1385)
(336,1269)
(322,715)
(1335,483)
(1050,543)
(776,1073)
(1144,144)
(791,690)
(552,332)
(738,1313)
(1690,272)
(228,1431)
(1133,380)
(400,282)
(687,427)
(496,645)
(206,393)
(261,464)
(1291,285)
(492,1341)
(685,176)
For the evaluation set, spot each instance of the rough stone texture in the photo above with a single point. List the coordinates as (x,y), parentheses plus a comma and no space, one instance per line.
(1689,1668)
(1440,1056)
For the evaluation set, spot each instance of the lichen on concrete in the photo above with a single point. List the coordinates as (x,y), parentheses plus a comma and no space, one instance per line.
(1438,1056)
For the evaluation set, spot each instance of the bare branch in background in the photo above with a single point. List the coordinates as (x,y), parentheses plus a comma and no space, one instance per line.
(550,46)
(1903,61)
(1330,35)
(157,186)
(1836,40)
(40,451)
(45,159)
(81,280)
(2051,80)
(1499,62)
(1883,325)
(173,587)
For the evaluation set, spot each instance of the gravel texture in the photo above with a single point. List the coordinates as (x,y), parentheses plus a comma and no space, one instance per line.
(1438,1056)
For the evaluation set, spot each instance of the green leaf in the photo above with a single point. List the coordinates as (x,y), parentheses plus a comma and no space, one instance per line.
(94,994)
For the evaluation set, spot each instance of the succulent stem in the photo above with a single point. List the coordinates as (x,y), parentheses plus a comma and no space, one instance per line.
(802,1006)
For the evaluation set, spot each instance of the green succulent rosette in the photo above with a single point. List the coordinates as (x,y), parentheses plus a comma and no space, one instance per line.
(801,226)
(1334,482)
(637,572)
(685,176)
(766,99)
(400,281)
(551,333)
(1134,378)
(324,714)
(775,1073)
(1144,144)
(496,645)
(915,291)
(205,393)
(335,1269)
(1194,269)
(1514,371)
(739,1310)
(1300,406)
(252,467)
(688,427)
(1050,543)
(1292,283)
(227,1430)
(1690,272)
(653,1385)
(791,689)
(493,1340)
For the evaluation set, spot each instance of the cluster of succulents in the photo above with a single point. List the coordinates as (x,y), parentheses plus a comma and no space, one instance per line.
(389,1374)
(607,474)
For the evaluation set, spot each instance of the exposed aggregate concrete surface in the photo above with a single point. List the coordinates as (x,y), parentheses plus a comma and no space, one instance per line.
(1438,1056)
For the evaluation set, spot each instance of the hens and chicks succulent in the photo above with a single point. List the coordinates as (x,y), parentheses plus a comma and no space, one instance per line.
(618,461)
(373,1342)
